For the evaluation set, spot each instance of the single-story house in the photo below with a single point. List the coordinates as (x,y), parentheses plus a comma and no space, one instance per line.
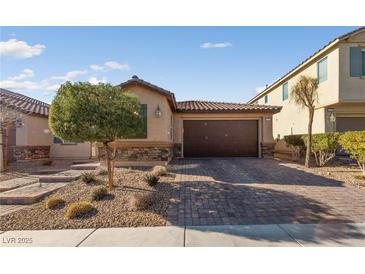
(30,137)
(193,128)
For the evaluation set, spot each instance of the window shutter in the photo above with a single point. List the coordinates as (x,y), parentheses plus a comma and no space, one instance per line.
(355,62)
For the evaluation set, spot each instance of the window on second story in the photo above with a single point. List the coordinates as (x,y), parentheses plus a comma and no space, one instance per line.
(285,91)
(266,99)
(322,70)
(357,62)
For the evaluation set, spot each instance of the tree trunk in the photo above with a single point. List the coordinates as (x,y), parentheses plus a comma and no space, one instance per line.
(108,162)
(309,143)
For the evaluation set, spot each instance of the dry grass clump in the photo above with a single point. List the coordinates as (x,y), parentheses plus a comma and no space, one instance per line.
(101,171)
(88,177)
(360,177)
(47,162)
(55,202)
(98,193)
(78,210)
(143,201)
(151,179)
(159,170)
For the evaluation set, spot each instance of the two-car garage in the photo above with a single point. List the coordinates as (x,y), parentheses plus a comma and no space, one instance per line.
(220,138)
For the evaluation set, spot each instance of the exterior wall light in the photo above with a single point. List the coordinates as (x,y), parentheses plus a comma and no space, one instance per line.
(332,117)
(158,112)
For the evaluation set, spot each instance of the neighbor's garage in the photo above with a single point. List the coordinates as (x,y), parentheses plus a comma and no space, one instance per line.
(220,138)
(350,123)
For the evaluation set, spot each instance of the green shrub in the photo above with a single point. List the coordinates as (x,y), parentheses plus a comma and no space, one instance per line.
(98,193)
(55,202)
(295,140)
(144,201)
(78,210)
(47,162)
(159,171)
(88,177)
(324,146)
(353,142)
(151,179)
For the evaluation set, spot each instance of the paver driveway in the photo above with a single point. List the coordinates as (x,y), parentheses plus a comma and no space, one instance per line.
(258,191)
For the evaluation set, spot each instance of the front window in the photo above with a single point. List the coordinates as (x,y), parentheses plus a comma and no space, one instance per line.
(141,133)
(322,70)
(285,91)
(266,99)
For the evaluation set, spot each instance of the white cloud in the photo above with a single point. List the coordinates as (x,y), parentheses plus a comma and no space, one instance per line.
(69,75)
(96,67)
(209,45)
(27,73)
(111,65)
(20,49)
(24,85)
(53,87)
(93,80)
(259,89)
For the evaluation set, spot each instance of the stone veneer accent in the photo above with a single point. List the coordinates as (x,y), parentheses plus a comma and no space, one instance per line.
(178,150)
(267,150)
(140,153)
(30,152)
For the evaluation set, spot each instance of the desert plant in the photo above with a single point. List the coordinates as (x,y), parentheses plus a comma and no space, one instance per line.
(151,179)
(144,201)
(296,143)
(47,162)
(54,202)
(78,210)
(159,171)
(88,177)
(324,146)
(353,142)
(101,171)
(103,113)
(98,193)
(305,94)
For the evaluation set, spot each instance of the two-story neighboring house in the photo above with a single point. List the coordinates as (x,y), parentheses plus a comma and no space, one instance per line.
(340,69)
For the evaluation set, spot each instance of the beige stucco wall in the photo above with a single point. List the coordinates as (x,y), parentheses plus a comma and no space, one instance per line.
(352,89)
(71,151)
(293,119)
(33,132)
(265,123)
(158,129)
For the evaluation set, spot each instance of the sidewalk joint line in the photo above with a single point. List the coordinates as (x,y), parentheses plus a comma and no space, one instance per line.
(287,232)
(86,237)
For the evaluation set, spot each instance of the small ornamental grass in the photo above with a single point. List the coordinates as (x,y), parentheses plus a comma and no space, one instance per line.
(98,193)
(55,202)
(78,210)
(101,171)
(88,177)
(143,201)
(159,171)
(151,179)
(47,162)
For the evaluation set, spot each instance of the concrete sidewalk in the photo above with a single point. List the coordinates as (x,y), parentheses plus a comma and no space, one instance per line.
(351,234)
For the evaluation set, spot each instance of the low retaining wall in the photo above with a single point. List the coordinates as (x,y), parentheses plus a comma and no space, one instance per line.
(267,150)
(163,154)
(30,152)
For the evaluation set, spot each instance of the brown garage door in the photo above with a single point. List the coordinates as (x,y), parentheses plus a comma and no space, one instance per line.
(220,138)
(350,123)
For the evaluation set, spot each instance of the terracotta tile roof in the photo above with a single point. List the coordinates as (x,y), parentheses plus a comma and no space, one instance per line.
(23,103)
(135,80)
(209,106)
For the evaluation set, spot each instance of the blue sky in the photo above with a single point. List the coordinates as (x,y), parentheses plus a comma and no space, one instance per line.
(209,63)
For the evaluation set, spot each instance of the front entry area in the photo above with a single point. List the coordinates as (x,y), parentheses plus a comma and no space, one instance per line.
(220,138)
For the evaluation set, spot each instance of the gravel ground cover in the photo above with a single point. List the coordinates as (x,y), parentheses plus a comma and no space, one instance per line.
(115,210)
(347,172)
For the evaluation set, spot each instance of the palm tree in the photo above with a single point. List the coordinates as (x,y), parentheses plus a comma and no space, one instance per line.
(305,94)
